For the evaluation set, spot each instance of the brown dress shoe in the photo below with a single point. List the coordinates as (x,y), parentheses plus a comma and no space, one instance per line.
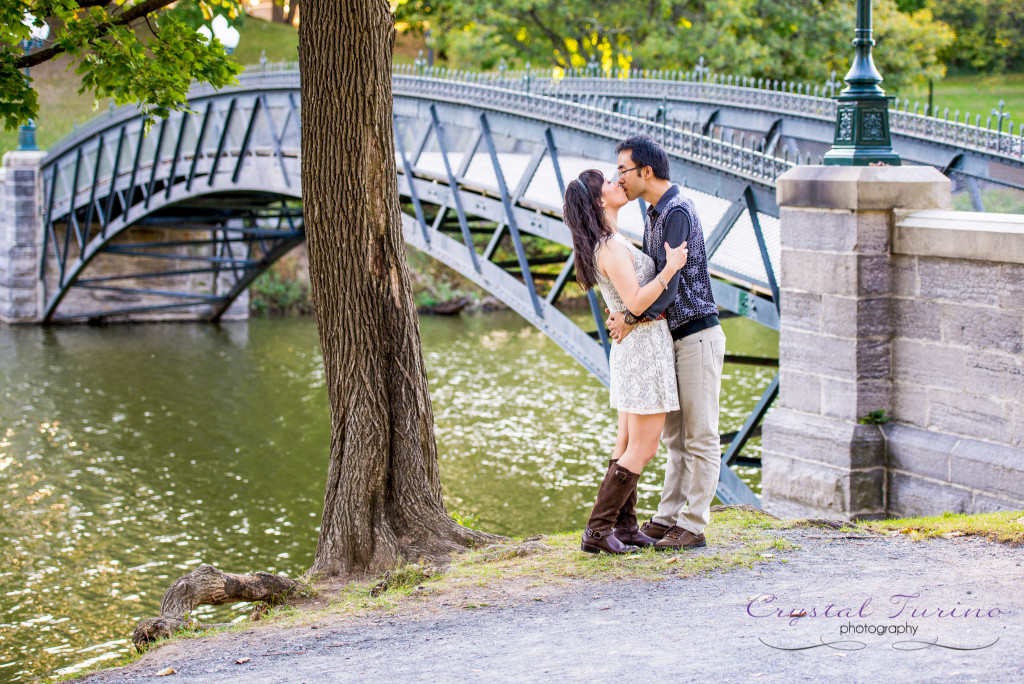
(654,529)
(678,538)
(615,489)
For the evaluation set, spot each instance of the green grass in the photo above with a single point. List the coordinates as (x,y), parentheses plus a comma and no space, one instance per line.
(977,94)
(1006,526)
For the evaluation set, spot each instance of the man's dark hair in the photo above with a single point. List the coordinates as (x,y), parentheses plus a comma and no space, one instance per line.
(646,152)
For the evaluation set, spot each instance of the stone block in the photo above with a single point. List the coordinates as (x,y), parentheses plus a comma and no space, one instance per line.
(963,282)
(812,485)
(960,235)
(988,467)
(985,503)
(836,443)
(865,493)
(842,230)
(799,391)
(16,282)
(819,272)
(813,353)
(1017,432)
(911,496)
(904,276)
(863,187)
(18,297)
(969,415)
(819,230)
(25,191)
(983,329)
(918,452)
(1011,287)
(25,313)
(916,319)
(995,374)
(932,365)
(874,276)
(910,404)
(852,400)
(855,317)
(874,359)
(23,176)
(801,310)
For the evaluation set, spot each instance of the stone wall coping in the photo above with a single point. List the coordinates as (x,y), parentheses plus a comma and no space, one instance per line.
(23,158)
(864,188)
(960,235)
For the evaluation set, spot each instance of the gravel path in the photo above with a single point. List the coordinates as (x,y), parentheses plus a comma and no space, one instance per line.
(693,629)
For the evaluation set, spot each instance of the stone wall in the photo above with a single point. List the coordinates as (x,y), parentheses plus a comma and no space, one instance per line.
(20,236)
(957,442)
(890,305)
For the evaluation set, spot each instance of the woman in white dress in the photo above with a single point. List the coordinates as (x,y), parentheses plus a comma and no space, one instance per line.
(643,378)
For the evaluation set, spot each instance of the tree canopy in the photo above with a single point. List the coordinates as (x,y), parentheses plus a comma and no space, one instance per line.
(775,39)
(128,50)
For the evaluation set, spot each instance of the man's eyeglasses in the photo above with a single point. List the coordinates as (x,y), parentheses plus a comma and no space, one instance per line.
(623,172)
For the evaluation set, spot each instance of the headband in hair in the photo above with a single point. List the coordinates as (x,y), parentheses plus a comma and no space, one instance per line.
(585,188)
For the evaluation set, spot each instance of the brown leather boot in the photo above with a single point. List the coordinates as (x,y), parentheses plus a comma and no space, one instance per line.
(616,487)
(626,529)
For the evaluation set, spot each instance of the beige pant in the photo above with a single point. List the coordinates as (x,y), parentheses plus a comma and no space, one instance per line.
(691,433)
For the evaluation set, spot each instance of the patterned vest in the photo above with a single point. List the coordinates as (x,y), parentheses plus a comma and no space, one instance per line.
(694,298)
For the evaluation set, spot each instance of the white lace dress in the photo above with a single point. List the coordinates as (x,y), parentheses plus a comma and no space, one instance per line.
(643,373)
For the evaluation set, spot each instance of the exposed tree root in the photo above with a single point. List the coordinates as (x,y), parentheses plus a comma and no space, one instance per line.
(208,586)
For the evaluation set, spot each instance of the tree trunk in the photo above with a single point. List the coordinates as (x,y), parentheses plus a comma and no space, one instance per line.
(276,13)
(292,6)
(383,499)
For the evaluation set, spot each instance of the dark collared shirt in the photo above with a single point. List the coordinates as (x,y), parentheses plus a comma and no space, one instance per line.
(677,229)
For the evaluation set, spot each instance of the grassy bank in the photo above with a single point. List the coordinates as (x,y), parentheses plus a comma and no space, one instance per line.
(976,93)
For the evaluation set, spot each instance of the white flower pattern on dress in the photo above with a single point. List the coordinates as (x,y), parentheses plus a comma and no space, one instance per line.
(642,366)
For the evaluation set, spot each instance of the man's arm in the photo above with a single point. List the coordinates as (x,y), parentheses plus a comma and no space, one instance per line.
(677,231)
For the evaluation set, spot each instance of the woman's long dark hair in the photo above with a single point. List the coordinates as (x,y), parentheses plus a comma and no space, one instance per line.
(583,215)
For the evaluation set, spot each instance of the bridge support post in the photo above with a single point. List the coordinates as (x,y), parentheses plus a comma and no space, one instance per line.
(836,336)
(20,236)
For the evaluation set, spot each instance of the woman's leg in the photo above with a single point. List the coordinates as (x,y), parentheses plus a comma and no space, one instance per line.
(620,482)
(622,438)
(627,528)
(643,431)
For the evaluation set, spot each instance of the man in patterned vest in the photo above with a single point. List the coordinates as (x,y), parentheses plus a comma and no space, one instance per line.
(691,433)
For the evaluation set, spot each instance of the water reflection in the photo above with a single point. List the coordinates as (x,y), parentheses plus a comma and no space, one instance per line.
(129,454)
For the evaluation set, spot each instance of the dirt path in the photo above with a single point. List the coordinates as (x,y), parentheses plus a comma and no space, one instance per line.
(693,629)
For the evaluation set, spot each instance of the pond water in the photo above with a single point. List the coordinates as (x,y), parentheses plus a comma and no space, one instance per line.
(130,454)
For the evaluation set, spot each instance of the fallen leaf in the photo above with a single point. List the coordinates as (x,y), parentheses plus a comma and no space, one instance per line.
(673,559)
(168,671)
(796,613)
(950,535)
(242,660)
(838,655)
(908,530)
(755,675)
(767,555)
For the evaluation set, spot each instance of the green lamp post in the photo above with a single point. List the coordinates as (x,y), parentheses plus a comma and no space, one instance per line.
(862,120)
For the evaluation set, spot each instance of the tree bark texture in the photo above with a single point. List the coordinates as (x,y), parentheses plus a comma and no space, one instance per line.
(208,586)
(383,496)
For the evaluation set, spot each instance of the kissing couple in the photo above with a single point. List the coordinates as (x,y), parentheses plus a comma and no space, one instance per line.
(666,363)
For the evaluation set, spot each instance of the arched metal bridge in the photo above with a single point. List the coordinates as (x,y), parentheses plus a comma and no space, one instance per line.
(178,222)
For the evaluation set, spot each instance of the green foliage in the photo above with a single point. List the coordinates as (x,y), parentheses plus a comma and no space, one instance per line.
(875,418)
(988,33)
(128,50)
(772,39)
(277,293)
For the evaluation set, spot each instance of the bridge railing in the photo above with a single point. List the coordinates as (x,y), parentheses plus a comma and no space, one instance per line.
(781,97)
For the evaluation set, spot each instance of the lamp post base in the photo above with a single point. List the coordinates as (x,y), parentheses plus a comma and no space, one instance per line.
(862,132)
(27,138)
